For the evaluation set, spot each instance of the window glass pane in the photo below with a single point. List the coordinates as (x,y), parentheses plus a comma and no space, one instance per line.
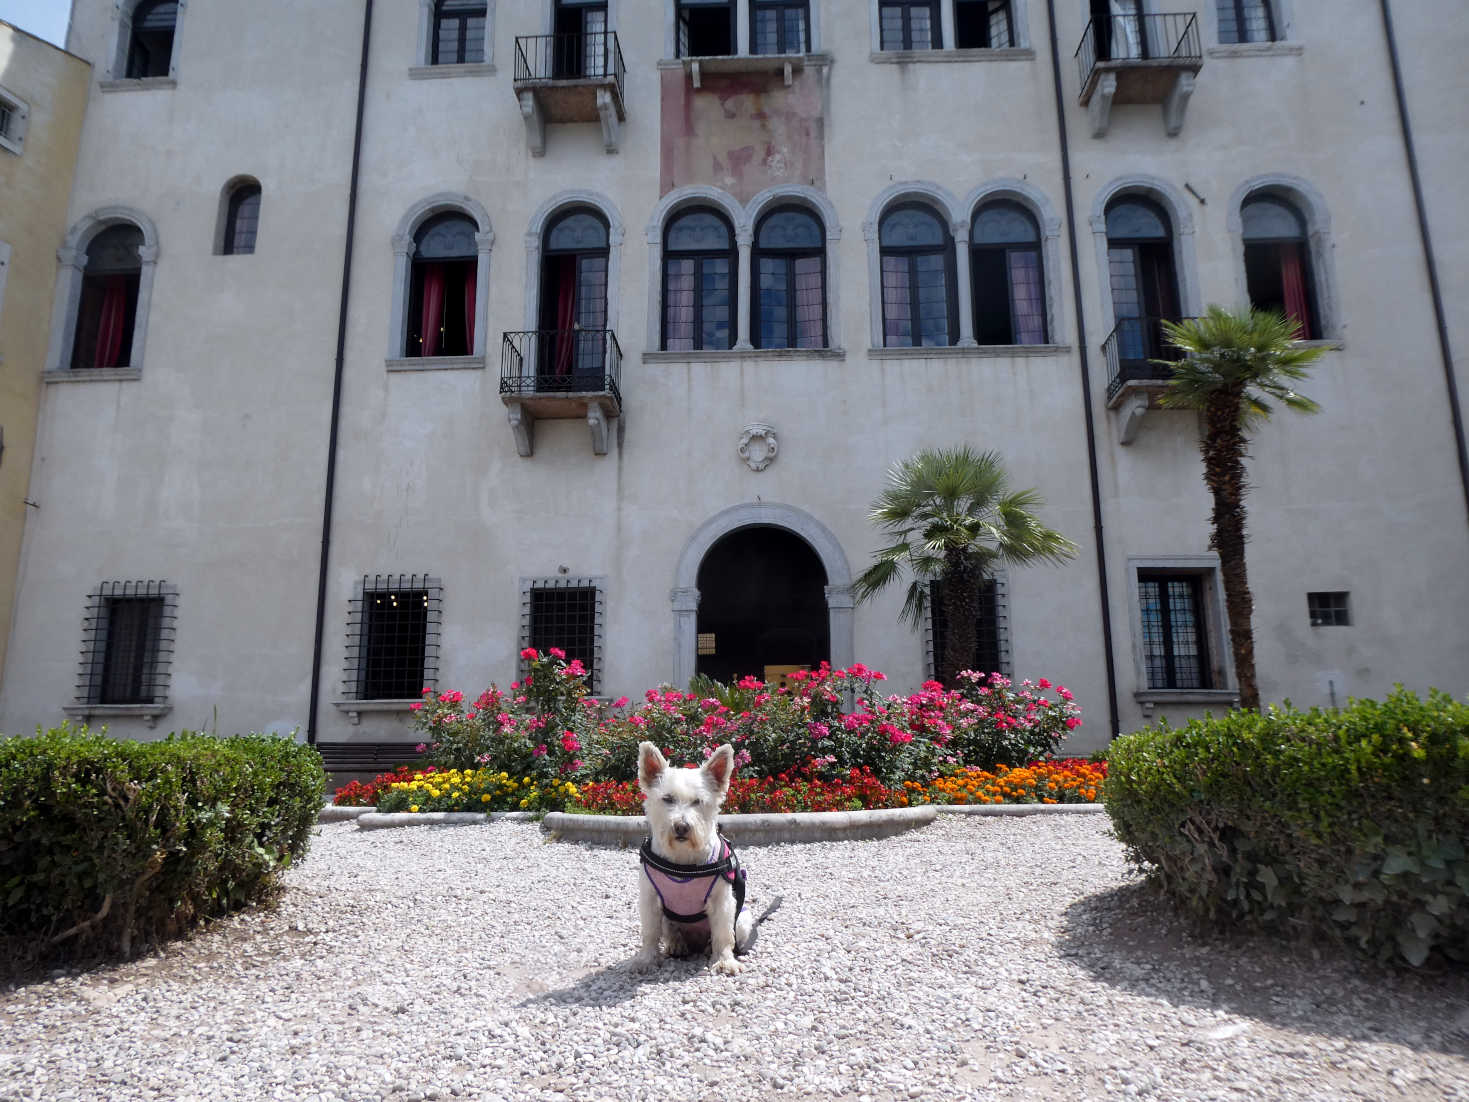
(1027,300)
(474,40)
(446,237)
(697,231)
(795,30)
(6,119)
(1183,628)
(1003,224)
(159,16)
(897,310)
(114,250)
(1154,654)
(1133,220)
(577,233)
(920,28)
(810,302)
(933,300)
(678,304)
(131,653)
(448,42)
(1271,220)
(1001,34)
(767,31)
(911,227)
(714,303)
(892,27)
(243,221)
(789,229)
(774,302)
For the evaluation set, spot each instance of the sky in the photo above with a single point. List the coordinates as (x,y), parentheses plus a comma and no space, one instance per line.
(43,18)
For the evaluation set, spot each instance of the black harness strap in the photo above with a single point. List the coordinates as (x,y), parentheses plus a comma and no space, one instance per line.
(729,868)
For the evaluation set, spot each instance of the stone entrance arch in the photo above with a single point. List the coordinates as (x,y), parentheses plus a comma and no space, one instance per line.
(685,595)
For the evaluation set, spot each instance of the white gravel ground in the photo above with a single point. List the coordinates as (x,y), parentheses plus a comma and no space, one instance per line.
(973,959)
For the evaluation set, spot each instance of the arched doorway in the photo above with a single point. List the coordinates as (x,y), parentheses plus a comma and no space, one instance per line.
(762,606)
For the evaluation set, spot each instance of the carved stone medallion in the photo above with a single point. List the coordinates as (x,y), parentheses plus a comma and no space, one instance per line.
(758,445)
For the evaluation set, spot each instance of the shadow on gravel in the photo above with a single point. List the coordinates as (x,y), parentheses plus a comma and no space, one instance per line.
(1129,938)
(614,984)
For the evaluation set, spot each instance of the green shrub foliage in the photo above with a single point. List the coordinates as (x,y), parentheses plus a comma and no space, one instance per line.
(108,846)
(1350,822)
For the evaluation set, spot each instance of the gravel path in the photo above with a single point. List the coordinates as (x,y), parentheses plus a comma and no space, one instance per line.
(974,959)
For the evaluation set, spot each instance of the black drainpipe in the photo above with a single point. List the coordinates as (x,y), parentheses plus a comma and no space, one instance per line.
(331,446)
(1086,381)
(1438,312)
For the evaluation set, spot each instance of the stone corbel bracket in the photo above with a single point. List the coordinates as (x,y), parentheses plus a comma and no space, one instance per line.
(535,123)
(607,112)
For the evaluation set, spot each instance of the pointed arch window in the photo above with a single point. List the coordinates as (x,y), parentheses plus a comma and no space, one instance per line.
(1005,267)
(108,308)
(442,288)
(242,220)
(698,281)
(790,268)
(1277,261)
(150,41)
(919,306)
(1143,278)
(459,32)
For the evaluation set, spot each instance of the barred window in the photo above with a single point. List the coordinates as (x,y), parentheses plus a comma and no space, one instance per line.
(1175,642)
(566,613)
(393,628)
(992,638)
(127,643)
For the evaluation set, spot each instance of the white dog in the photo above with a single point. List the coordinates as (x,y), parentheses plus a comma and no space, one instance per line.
(692,887)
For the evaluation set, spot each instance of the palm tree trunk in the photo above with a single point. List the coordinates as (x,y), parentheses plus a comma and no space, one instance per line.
(962,576)
(1223,447)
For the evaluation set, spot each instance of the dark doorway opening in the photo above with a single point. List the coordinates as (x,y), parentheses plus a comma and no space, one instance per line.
(762,604)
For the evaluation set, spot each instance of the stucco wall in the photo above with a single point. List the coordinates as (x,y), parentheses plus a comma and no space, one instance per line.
(208,470)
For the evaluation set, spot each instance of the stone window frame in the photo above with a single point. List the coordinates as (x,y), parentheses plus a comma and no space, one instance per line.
(596,582)
(742,20)
(73,260)
(1185,251)
(94,645)
(114,78)
(1286,44)
(1023,49)
(1216,627)
(443,202)
(423,67)
(1002,629)
(20,115)
(1311,205)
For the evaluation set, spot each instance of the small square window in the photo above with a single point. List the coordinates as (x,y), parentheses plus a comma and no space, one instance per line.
(393,636)
(1329,609)
(13,115)
(127,643)
(565,613)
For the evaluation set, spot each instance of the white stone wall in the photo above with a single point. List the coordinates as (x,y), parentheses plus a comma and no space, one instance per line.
(208,470)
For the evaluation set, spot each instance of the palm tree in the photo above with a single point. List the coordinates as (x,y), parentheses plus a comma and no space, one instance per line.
(952,518)
(1234,362)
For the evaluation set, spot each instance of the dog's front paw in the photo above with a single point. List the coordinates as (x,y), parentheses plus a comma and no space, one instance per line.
(727,966)
(643,962)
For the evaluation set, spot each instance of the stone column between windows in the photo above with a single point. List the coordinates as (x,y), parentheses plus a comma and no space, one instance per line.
(398,309)
(961,277)
(839,610)
(946,32)
(743,274)
(685,635)
(148,259)
(64,311)
(483,243)
(743,45)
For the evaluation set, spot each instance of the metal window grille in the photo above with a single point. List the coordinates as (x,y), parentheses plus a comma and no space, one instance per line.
(393,629)
(1329,609)
(128,635)
(567,613)
(992,645)
(1175,644)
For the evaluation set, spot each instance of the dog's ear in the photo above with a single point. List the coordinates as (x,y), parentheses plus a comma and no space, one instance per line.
(719,766)
(651,764)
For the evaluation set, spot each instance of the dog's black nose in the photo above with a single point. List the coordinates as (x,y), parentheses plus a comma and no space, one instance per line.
(680,831)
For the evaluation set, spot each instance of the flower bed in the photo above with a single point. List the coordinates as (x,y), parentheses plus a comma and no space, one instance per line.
(475,790)
(859,790)
(1067,781)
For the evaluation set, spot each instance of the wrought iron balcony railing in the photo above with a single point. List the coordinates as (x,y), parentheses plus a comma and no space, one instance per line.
(538,363)
(593,56)
(1130,349)
(1119,41)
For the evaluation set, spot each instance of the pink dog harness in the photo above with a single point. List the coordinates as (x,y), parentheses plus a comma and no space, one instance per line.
(684,889)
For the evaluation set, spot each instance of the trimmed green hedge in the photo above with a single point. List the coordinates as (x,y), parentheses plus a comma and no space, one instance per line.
(108,846)
(1350,822)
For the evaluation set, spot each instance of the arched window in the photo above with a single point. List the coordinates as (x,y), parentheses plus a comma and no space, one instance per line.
(150,41)
(698,281)
(1277,260)
(241,219)
(790,265)
(459,32)
(1005,267)
(573,319)
(919,307)
(442,287)
(108,307)
(1142,275)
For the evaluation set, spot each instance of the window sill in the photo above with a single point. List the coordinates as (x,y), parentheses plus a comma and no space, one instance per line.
(755,355)
(747,63)
(1149,698)
(1257,49)
(93,375)
(969,351)
(355,708)
(1330,344)
(444,72)
(137,84)
(147,712)
(437,363)
(14,146)
(901,57)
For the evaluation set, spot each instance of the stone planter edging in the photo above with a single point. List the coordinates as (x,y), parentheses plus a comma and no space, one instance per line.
(748,830)
(333,814)
(1020,809)
(375,821)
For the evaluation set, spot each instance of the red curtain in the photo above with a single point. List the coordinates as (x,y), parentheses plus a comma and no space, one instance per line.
(431,318)
(565,306)
(110,321)
(1293,282)
(469,300)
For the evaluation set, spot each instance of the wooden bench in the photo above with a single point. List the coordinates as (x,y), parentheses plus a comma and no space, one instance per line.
(366,757)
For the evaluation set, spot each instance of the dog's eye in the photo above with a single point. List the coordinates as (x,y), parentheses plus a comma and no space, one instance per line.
(668,799)
(696,801)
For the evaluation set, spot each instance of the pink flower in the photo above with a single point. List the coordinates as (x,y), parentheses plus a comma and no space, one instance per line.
(569,742)
(1072,722)
(539,751)
(557,652)
(530,654)
(819,730)
(427,690)
(1043,684)
(421,747)
(415,706)
(452,697)
(620,702)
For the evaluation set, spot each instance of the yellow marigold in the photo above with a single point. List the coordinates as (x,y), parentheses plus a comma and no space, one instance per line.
(485,798)
(412,807)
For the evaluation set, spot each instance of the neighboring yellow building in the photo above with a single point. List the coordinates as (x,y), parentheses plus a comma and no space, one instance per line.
(43,96)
